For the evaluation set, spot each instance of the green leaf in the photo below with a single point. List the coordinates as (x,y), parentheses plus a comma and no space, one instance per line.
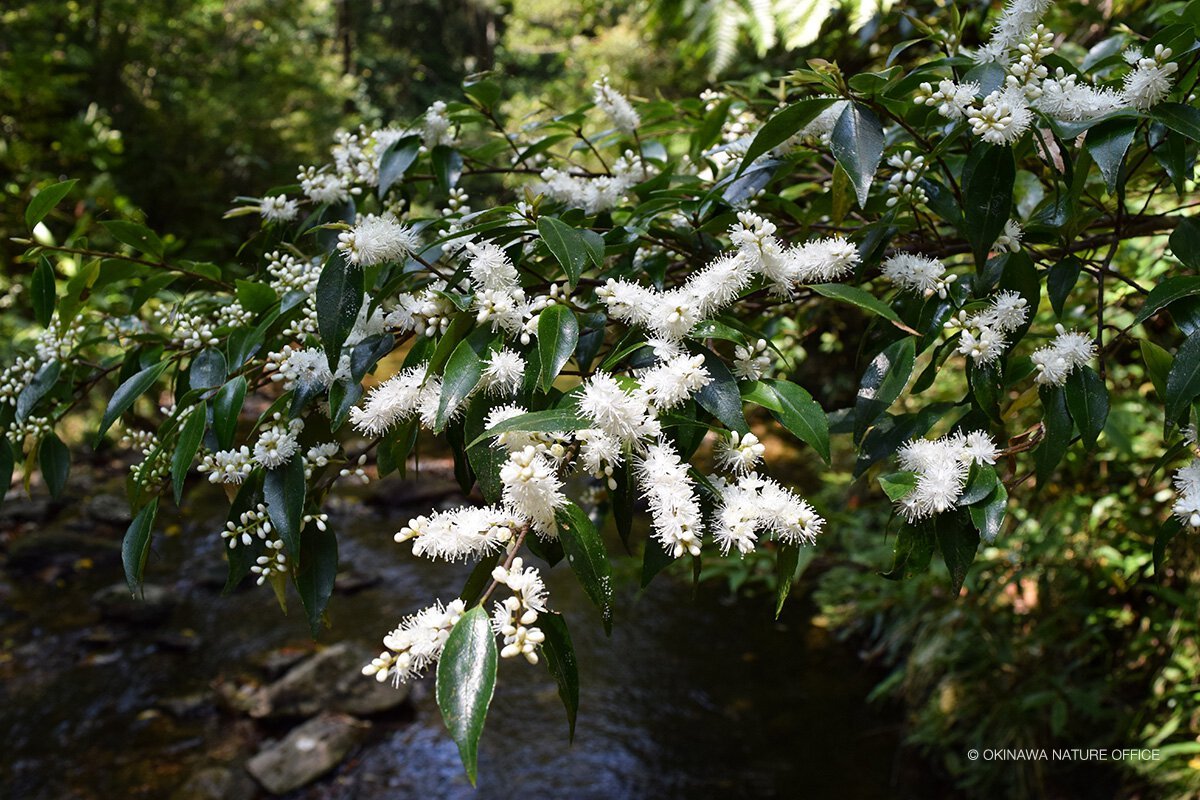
(1179,118)
(987,515)
(1061,280)
(790,561)
(127,393)
(466,680)
(396,160)
(462,374)
(913,552)
(588,558)
(283,490)
(857,144)
(1108,141)
(803,416)
(1183,381)
(1056,420)
(1087,400)
(207,370)
(988,179)
(43,292)
(486,461)
(861,298)
(255,297)
(721,396)
(191,433)
(560,660)
(54,458)
(1158,364)
(137,236)
(45,200)
(318,568)
(557,334)
(981,480)
(958,542)
(367,353)
(447,165)
(1167,292)
(565,418)
(566,244)
(135,547)
(339,299)
(897,485)
(227,407)
(782,126)
(1185,242)
(882,383)
(43,381)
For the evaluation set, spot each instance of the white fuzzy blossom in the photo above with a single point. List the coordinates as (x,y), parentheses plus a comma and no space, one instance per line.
(416,643)
(739,453)
(228,466)
(1002,118)
(503,371)
(396,400)
(323,187)
(751,362)
(461,533)
(533,490)
(1150,81)
(1187,491)
(917,273)
(1068,351)
(615,106)
(436,129)
(1017,20)
(675,380)
(594,194)
(278,443)
(278,208)
(670,493)
(624,415)
(752,504)
(983,336)
(375,239)
(941,467)
(292,367)
(952,100)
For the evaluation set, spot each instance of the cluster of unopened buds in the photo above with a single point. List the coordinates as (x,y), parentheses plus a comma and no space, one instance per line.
(903,185)
(271,563)
(252,523)
(514,618)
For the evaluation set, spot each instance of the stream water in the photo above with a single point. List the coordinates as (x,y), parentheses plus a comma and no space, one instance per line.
(692,696)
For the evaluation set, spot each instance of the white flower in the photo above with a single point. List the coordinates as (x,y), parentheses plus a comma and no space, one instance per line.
(278,208)
(1002,118)
(532,490)
(227,466)
(437,126)
(308,367)
(1056,361)
(752,362)
(1063,97)
(416,643)
(625,416)
(941,467)
(1149,83)
(514,618)
(461,533)
(503,372)
(323,187)
(278,443)
(593,194)
(753,504)
(953,100)
(395,400)
(675,380)
(615,106)
(1187,488)
(984,347)
(674,509)
(251,524)
(376,239)
(739,454)
(979,448)
(1009,240)
(918,274)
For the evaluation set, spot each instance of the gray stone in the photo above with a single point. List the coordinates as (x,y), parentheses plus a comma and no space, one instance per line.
(109,509)
(331,679)
(154,604)
(216,783)
(33,551)
(306,753)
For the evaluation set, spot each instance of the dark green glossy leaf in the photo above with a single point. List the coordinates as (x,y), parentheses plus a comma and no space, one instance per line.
(462,374)
(367,353)
(1158,365)
(560,660)
(988,179)
(1087,400)
(721,396)
(1179,118)
(802,415)
(1185,243)
(339,299)
(980,483)
(128,392)
(882,383)
(1108,141)
(191,433)
(255,297)
(588,558)
(897,485)
(137,236)
(54,458)
(566,243)
(857,144)
(913,551)
(861,298)
(318,568)
(135,547)
(207,370)
(41,384)
(466,680)
(227,407)
(283,491)
(565,418)
(782,126)
(987,515)
(958,541)
(396,160)
(1061,280)
(43,292)
(1167,292)
(1058,430)
(45,200)
(1183,381)
(557,335)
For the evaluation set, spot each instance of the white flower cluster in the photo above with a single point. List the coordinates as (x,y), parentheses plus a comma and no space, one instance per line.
(375,239)
(514,618)
(903,186)
(671,314)
(427,312)
(499,297)
(416,643)
(739,453)
(615,106)
(278,209)
(228,466)
(292,367)
(916,273)
(594,194)
(503,372)
(405,395)
(461,533)
(752,504)
(533,490)
(277,444)
(1187,487)
(1149,83)
(250,525)
(983,334)
(670,493)
(751,362)
(941,467)
(291,274)
(1056,361)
